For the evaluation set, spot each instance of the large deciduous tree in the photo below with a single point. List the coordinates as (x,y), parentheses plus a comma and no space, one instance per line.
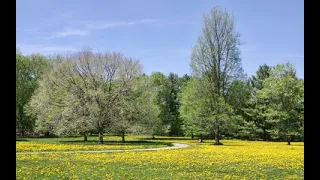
(137,110)
(83,91)
(216,58)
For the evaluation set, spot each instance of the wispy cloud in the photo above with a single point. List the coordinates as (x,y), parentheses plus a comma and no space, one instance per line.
(98,26)
(28,49)
(115,24)
(93,26)
(28,30)
(31,30)
(108,25)
(180,22)
(70,32)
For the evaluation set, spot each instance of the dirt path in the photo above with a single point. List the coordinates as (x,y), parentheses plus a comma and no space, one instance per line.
(175,146)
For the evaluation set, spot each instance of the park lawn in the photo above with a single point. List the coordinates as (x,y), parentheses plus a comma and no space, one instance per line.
(234,160)
(77,144)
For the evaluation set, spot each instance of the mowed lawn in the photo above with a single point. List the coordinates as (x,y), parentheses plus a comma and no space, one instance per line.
(234,160)
(77,144)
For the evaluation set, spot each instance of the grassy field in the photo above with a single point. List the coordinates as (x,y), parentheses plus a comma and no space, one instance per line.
(76,144)
(234,160)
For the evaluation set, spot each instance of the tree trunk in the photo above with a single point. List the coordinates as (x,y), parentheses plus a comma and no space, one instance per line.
(201,139)
(289,140)
(264,135)
(21,120)
(22,132)
(85,137)
(90,133)
(216,137)
(100,136)
(153,137)
(122,135)
(191,135)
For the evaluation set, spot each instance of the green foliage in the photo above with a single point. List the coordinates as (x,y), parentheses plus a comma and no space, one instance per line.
(262,73)
(254,112)
(137,110)
(173,105)
(193,108)
(168,89)
(28,72)
(284,93)
(255,115)
(66,97)
(161,87)
(238,95)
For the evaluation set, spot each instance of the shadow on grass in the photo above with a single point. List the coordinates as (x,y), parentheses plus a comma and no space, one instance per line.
(21,140)
(232,145)
(133,143)
(212,144)
(173,138)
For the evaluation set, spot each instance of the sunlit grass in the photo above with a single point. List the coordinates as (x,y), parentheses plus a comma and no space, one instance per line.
(234,160)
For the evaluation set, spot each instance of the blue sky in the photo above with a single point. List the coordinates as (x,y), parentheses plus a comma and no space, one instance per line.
(161,33)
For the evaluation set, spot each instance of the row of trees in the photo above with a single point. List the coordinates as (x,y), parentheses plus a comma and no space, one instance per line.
(93,92)
(85,92)
(267,106)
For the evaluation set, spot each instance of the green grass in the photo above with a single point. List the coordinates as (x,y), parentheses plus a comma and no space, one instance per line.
(77,143)
(91,139)
(236,159)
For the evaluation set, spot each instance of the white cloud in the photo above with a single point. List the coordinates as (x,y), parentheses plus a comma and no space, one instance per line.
(120,23)
(28,30)
(72,32)
(31,30)
(28,49)
(69,32)
(181,22)
(97,26)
